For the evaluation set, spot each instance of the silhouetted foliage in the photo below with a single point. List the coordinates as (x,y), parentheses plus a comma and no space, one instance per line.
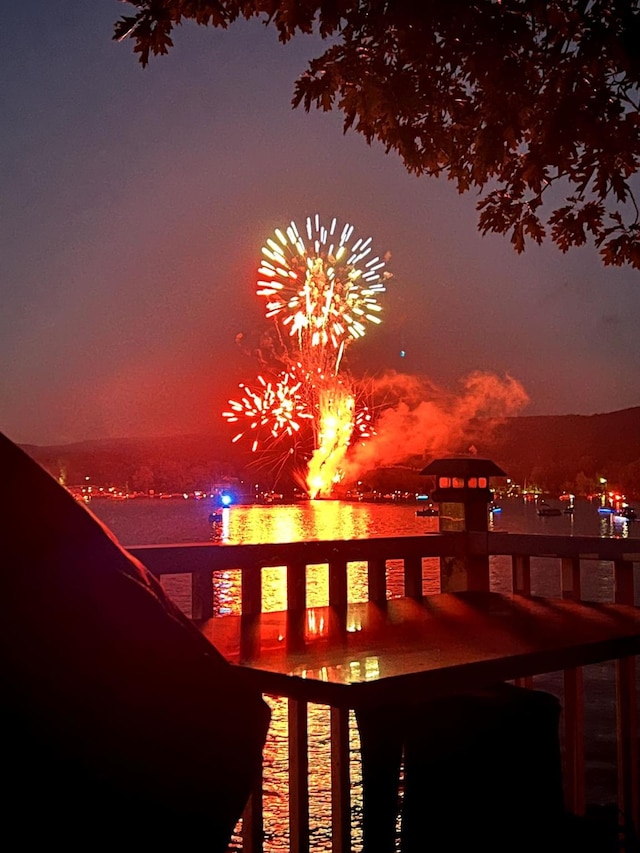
(534,104)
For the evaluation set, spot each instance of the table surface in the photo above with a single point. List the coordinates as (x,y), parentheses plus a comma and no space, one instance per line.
(407,650)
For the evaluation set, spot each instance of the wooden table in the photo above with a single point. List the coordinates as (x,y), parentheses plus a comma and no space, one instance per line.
(406,650)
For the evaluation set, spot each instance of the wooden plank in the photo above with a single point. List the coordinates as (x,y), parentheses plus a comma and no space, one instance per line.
(185,558)
(573,702)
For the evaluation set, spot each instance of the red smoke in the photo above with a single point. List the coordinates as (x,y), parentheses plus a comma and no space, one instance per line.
(428,421)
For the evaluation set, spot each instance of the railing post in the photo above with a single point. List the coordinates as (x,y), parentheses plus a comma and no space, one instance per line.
(413,576)
(627,746)
(521,574)
(338,582)
(251,590)
(521,584)
(571,580)
(377,579)
(574,702)
(296,585)
(466,571)
(202,594)
(627,715)
(340,782)
(253,819)
(298,777)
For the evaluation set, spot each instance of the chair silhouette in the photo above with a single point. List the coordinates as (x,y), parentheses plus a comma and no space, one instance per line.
(122,723)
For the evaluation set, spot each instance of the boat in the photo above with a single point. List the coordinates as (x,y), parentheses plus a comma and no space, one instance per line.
(569,510)
(605,510)
(627,513)
(430,510)
(546,509)
(215,516)
(494,507)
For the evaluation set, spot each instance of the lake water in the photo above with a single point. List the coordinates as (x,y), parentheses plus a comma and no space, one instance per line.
(156,521)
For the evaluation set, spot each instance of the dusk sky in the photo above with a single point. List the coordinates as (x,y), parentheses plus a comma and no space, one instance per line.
(135,203)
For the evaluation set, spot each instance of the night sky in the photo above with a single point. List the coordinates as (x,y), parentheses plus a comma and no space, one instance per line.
(135,203)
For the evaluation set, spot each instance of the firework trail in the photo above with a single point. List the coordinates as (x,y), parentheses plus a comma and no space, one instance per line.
(321,289)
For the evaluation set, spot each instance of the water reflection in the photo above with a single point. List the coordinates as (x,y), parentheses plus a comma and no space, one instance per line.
(220,525)
(615,527)
(276,779)
(317,520)
(148,522)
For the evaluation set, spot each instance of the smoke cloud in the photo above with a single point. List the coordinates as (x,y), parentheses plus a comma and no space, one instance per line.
(427,421)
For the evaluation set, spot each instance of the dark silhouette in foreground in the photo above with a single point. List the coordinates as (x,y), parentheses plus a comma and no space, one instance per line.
(481,771)
(121,723)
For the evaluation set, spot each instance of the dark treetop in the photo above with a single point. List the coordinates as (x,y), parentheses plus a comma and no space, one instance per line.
(533,104)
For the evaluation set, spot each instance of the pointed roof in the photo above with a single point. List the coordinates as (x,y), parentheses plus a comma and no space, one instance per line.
(463,466)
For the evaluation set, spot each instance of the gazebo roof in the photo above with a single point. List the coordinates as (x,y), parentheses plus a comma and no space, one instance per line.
(463,466)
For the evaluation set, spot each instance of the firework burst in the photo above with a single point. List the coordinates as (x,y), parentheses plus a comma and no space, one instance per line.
(273,408)
(322,289)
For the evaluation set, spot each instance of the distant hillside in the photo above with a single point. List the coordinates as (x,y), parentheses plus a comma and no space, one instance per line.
(166,464)
(550,450)
(564,445)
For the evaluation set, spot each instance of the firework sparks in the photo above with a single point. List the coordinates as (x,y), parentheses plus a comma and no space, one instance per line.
(322,288)
(274,407)
(362,423)
(335,429)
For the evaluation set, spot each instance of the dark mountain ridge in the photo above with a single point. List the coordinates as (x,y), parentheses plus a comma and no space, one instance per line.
(551,450)
(564,445)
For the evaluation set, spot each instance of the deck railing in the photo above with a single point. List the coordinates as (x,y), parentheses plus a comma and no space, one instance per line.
(573,556)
